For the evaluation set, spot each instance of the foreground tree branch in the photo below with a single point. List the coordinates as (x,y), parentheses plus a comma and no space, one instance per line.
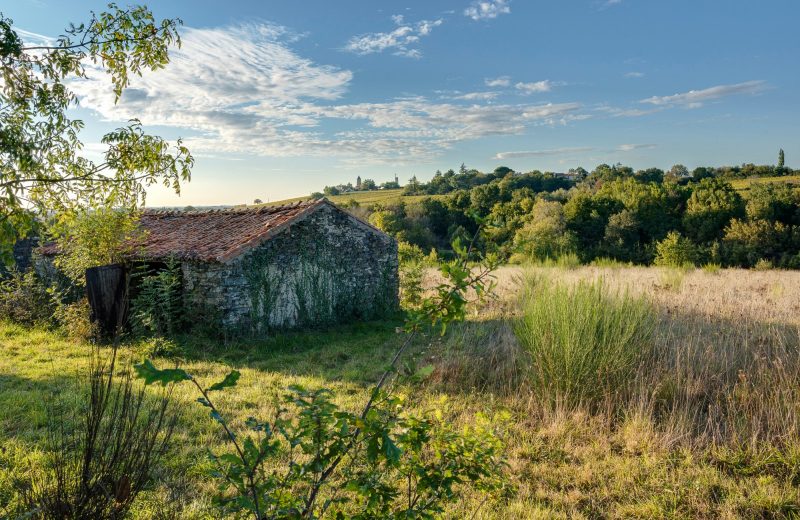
(42,171)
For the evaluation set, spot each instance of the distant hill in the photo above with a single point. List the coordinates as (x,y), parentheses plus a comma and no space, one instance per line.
(396,196)
(744,184)
(362,197)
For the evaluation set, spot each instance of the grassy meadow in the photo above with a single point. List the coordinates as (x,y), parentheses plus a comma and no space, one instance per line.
(362,197)
(633,392)
(743,185)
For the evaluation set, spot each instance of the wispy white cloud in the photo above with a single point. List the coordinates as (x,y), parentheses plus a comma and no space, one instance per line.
(487,9)
(696,98)
(32,38)
(451,121)
(634,74)
(535,87)
(632,147)
(502,81)
(544,153)
(470,96)
(627,112)
(401,40)
(572,150)
(244,90)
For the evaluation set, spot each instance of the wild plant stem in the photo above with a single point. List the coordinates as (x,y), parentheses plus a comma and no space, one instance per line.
(232,438)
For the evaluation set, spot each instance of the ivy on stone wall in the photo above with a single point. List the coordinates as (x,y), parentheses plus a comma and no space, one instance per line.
(305,278)
(264,288)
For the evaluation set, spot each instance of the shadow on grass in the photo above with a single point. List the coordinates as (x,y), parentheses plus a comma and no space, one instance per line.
(24,401)
(356,352)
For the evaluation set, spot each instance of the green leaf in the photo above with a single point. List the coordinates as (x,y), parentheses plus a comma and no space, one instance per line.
(229,381)
(391,450)
(147,371)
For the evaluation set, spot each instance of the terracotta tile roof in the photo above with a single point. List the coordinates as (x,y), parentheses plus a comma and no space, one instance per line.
(217,235)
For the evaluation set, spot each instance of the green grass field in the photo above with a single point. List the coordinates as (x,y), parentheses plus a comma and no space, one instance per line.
(363,198)
(709,427)
(744,184)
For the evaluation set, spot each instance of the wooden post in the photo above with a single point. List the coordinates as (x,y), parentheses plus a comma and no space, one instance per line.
(107,290)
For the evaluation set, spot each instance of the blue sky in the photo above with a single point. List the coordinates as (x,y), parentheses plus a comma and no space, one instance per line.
(280,98)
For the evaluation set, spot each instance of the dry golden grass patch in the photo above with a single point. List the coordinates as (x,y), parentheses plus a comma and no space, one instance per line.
(709,428)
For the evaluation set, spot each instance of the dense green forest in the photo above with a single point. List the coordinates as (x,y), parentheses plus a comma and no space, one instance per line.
(644,217)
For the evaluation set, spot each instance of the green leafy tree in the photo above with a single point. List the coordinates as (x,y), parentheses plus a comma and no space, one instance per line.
(439,216)
(42,170)
(676,251)
(781,159)
(657,207)
(413,186)
(774,202)
(92,238)
(676,173)
(623,237)
(157,309)
(702,172)
(390,185)
(483,198)
(748,242)
(387,220)
(412,272)
(545,235)
(649,175)
(710,208)
(509,217)
(587,216)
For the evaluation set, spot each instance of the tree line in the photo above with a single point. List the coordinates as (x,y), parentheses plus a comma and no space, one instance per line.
(640,216)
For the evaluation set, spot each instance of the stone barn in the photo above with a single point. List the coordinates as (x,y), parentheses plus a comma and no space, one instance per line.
(260,269)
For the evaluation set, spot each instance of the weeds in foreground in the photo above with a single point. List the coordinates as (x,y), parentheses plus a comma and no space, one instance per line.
(97,465)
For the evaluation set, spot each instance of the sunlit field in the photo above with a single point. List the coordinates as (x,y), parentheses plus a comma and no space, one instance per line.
(743,185)
(362,197)
(703,422)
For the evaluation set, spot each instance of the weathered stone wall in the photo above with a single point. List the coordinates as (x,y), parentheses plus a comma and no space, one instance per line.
(326,268)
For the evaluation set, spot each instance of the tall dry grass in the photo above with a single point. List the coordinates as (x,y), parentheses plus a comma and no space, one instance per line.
(720,371)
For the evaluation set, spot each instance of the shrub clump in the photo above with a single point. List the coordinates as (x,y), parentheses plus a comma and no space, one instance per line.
(25,299)
(676,251)
(157,309)
(585,342)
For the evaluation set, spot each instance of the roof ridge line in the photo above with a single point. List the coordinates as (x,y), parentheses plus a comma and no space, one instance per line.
(236,209)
